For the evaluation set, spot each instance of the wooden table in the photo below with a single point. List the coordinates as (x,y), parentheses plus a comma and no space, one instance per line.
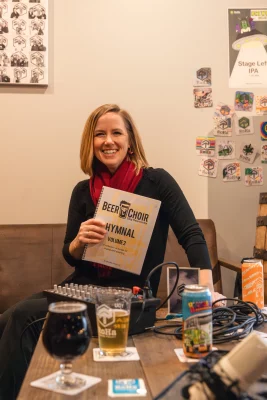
(158,366)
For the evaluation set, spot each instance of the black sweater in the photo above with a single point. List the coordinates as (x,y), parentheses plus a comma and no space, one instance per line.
(174,211)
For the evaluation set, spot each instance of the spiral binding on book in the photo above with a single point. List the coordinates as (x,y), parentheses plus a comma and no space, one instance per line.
(96,209)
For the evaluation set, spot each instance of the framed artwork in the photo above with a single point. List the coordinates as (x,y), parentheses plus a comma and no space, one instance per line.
(187,276)
(23,42)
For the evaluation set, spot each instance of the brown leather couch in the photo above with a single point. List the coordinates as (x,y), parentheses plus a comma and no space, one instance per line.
(31,259)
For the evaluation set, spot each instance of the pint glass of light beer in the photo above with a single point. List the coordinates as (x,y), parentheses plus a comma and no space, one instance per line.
(113,305)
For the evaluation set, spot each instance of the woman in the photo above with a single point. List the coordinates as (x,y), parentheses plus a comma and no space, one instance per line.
(112,155)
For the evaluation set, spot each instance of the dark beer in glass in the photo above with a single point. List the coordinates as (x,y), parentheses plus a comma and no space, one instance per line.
(66,335)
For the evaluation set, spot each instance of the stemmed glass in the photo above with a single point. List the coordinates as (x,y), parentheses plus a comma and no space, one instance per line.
(66,336)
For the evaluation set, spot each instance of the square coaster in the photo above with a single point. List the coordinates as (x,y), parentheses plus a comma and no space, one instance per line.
(126,388)
(48,383)
(131,354)
(183,358)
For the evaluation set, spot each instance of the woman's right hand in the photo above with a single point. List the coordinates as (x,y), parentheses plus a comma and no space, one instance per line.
(91,231)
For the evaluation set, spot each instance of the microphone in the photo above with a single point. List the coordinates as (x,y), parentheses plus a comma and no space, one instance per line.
(234,373)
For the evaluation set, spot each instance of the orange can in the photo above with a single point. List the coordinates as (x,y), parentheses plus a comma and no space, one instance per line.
(252,282)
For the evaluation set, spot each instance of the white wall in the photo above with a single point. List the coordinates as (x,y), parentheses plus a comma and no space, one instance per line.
(137,53)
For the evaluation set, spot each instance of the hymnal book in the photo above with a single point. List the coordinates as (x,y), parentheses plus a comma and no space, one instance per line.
(130,220)
(187,276)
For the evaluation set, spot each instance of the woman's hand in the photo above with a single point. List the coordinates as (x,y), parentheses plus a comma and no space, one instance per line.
(216,296)
(205,279)
(91,231)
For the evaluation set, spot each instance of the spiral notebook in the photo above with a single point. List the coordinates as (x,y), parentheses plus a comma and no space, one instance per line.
(130,220)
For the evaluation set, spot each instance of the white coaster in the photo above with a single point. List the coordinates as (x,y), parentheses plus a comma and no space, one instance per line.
(131,354)
(183,358)
(48,383)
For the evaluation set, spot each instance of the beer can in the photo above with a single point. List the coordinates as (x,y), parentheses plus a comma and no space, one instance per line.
(197,321)
(253,281)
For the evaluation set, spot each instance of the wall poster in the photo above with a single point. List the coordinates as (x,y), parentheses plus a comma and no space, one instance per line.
(24,42)
(247,47)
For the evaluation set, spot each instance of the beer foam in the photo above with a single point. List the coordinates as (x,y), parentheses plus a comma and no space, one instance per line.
(66,307)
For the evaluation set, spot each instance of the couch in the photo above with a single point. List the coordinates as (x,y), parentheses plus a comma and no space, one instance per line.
(31,259)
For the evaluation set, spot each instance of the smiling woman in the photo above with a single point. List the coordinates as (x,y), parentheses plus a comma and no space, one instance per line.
(110,136)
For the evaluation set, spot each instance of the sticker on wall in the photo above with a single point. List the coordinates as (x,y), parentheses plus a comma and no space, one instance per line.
(253,176)
(203,97)
(247,152)
(202,77)
(208,167)
(244,101)
(205,145)
(223,120)
(231,172)
(24,42)
(244,125)
(264,131)
(225,150)
(261,105)
(264,153)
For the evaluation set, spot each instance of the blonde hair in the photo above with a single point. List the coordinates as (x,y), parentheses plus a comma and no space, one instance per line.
(87,143)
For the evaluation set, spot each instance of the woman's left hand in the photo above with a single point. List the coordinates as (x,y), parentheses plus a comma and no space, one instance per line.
(216,296)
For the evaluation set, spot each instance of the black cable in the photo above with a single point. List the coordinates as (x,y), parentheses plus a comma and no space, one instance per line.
(175,283)
(229,323)
(21,336)
(147,292)
(158,329)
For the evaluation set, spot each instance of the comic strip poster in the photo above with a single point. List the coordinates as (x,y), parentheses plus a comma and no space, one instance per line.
(247,47)
(24,42)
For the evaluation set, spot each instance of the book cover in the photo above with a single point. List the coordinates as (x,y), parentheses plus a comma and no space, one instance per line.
(130,221)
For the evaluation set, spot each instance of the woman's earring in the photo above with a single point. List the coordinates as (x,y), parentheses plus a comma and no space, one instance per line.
(130,151)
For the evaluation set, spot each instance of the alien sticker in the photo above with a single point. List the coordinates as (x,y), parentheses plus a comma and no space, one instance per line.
(247,48)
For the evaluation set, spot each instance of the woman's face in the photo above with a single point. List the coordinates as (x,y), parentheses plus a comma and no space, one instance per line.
(111,140)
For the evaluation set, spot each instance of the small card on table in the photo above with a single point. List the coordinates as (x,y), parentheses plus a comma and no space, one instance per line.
(126,388)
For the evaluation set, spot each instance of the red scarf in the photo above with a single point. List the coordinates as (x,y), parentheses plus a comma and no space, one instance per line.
(125,178)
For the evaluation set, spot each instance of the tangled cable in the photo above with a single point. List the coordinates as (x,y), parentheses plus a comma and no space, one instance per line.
(236,321)
(229,323)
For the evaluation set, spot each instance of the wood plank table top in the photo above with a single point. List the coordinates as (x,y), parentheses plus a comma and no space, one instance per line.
(158,366)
